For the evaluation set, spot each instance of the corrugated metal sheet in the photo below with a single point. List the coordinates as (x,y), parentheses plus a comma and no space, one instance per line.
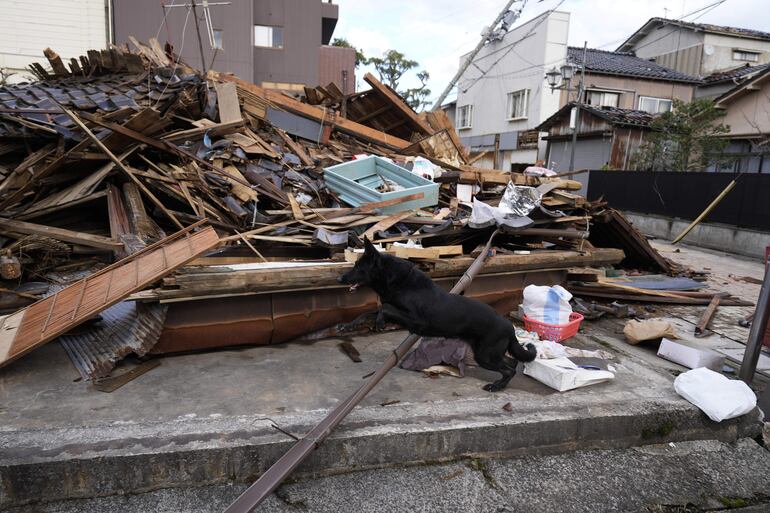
(125,328)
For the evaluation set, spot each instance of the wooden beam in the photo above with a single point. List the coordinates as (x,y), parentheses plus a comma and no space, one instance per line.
(317,114)
(373,114)
(84,239)
(56,63)
(400,105)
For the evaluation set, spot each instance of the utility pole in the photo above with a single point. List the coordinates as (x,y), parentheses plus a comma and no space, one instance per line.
(576,109)
(472,55)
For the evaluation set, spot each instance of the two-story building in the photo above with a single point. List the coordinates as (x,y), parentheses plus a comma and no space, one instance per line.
(621,95)
(502,96)
(698,49)
(625,81)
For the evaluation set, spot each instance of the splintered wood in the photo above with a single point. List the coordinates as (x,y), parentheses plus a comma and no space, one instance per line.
(48,318)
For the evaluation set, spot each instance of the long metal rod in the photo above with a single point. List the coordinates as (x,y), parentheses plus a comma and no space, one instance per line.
(758,329)
(471,56)
(286,464)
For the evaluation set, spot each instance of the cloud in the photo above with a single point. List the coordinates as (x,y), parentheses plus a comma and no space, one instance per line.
(436,34)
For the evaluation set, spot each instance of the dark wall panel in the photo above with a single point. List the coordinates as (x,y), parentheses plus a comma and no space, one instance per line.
(686,195)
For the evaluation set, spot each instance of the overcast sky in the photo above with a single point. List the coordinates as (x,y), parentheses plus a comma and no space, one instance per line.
(436,32)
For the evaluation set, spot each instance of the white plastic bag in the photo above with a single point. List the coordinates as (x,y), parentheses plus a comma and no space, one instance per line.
(719,398)
(547,304)
(425,168)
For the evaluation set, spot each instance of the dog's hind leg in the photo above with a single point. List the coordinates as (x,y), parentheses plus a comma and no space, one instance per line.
(505,366)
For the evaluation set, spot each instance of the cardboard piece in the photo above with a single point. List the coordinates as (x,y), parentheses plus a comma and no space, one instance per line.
(690,356)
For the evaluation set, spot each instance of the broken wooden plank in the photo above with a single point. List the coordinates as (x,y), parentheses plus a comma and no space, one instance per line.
(398,103)
(386,223)
(83,239)
(227,102)
(708,314)
(56,63)
(432,252)
(318,114)
(121,166)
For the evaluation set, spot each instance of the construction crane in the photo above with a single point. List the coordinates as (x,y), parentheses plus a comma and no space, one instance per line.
(505,19)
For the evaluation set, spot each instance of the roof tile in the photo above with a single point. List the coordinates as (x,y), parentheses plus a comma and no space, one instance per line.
(625,64)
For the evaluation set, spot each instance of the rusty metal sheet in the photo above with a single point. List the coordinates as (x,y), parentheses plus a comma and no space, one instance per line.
(258,319)
(218,322)
(43,321)
(282,316)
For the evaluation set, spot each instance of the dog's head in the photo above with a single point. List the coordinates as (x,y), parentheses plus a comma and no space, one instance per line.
(364,272)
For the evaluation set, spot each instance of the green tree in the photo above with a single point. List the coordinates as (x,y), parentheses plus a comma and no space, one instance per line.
(392,66)
(687,138)
(342,42)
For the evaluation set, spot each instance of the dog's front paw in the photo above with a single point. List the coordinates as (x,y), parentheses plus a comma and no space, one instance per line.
(492,387)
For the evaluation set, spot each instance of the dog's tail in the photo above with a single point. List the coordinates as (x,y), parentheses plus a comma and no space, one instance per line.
(521,353)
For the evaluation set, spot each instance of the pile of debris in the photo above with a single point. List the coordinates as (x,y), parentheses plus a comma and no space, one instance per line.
(101,160)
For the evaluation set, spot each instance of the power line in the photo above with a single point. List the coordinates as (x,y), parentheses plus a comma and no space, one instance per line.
(544,16)
(554,62)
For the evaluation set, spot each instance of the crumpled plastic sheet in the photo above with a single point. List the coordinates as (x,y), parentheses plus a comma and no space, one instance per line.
(484,215)
(519,200)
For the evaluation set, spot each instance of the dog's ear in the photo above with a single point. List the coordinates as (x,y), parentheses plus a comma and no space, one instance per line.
(369,248)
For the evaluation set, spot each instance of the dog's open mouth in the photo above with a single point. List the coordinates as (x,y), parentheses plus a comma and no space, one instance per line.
(354,287)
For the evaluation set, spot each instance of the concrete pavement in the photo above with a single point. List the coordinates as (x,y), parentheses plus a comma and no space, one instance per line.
(206,420)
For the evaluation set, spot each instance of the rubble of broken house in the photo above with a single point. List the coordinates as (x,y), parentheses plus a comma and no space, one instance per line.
(103,158)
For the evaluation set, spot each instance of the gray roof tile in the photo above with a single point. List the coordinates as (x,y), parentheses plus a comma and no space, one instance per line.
(625,64)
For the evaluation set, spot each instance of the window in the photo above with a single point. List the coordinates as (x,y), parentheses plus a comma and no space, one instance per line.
(654,105)
(518,104)
(269,37)
(602,98)
(745,55)
(218,39)
(464,116)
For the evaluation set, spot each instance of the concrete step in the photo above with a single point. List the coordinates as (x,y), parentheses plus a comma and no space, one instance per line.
(686,477)
(208,419)
(119,459)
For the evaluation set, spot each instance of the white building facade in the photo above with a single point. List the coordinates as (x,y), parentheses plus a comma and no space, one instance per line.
(70,28)
(503,96)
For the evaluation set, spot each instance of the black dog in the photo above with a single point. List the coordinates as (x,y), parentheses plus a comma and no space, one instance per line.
(411,299)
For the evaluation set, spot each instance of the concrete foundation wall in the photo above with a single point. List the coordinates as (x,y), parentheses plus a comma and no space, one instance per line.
(750,243)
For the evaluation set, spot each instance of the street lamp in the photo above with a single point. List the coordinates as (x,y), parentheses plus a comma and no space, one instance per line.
(567,72)
(553,78)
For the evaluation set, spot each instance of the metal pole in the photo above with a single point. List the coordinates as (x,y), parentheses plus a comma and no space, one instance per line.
(286,464)
(471,56)
(198,33)
(577,110)
(758,329)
